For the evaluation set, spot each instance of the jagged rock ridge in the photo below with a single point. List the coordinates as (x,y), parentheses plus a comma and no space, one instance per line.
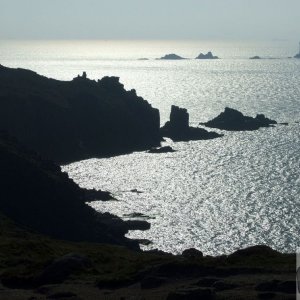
(232,119)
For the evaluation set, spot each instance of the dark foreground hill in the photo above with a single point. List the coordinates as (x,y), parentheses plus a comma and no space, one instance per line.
(73,120)
(36,194)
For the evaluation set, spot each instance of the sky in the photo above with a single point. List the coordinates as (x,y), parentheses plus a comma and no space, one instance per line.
(155,19)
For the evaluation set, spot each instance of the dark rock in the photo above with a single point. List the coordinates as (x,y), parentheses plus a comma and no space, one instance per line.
(67,121)
(234,120)
(267,295)
(207,282)
(191,293)
(144,242)
(94,195)
(269,286)
(172,57)
(283,123)
(138,225)
(288,287)
(60,269)
(222,286)
(165,149)
(258,251)
(136,191)
(152,282)
(178,128)
(209,55)
(180,270)
(192,253)
(143,58)
(297,55)
(255,57)
(137,215)
(63,295)
(158,252)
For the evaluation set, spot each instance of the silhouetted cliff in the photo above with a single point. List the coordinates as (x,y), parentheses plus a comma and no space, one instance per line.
(72,120)
(36,194)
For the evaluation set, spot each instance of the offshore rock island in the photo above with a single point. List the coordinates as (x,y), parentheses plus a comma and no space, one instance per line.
(208,55)
(171,57)
(233,120)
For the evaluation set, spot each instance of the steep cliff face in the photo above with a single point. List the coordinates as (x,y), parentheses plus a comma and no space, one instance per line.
(72,120)
(36,194)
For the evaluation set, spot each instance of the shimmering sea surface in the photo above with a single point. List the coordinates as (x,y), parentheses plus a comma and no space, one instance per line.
(218,195)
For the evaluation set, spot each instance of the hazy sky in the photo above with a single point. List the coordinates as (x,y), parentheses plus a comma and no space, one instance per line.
(155,19)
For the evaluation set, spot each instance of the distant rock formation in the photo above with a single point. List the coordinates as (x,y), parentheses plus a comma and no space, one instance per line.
(164,149)
(143,58)
(209,55)
(255,57)
(36,194)
(234,120)
(178,128)
(172,57)
(73,120)
(297,55)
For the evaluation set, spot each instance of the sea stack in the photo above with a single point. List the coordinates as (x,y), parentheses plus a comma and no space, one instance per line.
(178,128)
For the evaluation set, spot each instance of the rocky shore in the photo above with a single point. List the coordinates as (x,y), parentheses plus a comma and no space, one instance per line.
(54,246)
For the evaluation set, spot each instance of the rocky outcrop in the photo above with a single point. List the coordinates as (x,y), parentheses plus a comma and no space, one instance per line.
(165,149)
(208,55)
(178,128)
(36,194)
(172,57)
(255,57)
(234,120)
(72,120)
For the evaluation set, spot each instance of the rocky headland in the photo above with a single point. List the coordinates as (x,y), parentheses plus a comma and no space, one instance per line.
(37,195)
(73,120)
(233,120)
(178,128)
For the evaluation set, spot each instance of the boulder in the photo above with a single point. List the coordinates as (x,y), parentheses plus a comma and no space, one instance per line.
(192,253)
(255,57)
(234,120)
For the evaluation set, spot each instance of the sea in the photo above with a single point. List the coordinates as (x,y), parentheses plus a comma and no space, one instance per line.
(217,195)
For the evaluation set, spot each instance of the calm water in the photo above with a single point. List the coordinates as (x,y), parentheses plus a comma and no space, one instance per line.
(218,195)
